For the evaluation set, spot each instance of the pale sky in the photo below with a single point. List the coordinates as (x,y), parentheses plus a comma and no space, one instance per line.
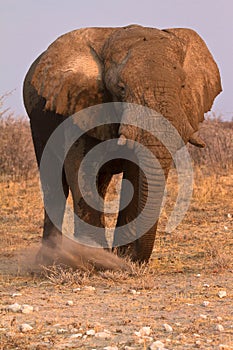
(29,26)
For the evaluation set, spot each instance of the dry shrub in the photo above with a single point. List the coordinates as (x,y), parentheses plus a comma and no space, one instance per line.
(217,156)
(17,159)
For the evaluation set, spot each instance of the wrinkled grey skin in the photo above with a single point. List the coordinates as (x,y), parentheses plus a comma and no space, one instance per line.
(170,71)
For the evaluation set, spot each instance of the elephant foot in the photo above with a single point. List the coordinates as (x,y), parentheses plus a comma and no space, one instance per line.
(128,251)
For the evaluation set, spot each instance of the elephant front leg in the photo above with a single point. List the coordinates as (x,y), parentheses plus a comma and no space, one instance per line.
(125,234)
(133,236)
(89,225)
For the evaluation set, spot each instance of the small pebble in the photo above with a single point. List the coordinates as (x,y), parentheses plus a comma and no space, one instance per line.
(206,285)
(205,303)
(89,288)
(16,295)
(203,316)
(62,331)
(225,347)
(144,331)
(14,307)
(133,291)
(25,328)
(222,293)
(103,335)
(76,290)
(76,335)
(26,309)
(90,332)
(219,318)
(219,328)
(157,345)
(111,348)
(167,328)
(229,216)
(198,275)
(196,335)
(69,302)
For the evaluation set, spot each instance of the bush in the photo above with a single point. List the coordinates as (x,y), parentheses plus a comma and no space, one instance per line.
(17,159)
(217,156)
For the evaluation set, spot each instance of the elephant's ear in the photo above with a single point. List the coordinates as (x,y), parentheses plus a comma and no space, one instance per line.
(69,73)
(202,82)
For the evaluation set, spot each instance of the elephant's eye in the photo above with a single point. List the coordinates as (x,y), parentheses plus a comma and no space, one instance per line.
(121,89)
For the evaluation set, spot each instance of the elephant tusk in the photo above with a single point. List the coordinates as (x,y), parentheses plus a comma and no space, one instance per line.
(197,141)
(122,140)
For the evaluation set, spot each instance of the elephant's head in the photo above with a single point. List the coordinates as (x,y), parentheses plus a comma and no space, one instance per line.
(170,71)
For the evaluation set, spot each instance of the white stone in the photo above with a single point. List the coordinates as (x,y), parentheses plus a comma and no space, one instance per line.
(16,295)
(219,328)
(89,288)
(156,345)
(111,348)
(219,318)
(25,328)
(26,309)
(167,328)
(103,335)
(14,307)
(225,347)
(144,331)
(205,303)
(90,332)
(198,275)
(62,331)
(229,216)
(206,285)
(69,302)
(76,290)
(76,335)
(135,292)
(203,316)
(222,293)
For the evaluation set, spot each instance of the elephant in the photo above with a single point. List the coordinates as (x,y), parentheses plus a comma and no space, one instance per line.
(169,71)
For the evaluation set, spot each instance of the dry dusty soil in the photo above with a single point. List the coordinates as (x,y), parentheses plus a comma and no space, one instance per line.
(187,286)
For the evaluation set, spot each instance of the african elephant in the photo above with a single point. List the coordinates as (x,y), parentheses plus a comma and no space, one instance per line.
(170,71)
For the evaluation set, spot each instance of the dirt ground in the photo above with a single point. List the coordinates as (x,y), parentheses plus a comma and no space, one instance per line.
(183,286)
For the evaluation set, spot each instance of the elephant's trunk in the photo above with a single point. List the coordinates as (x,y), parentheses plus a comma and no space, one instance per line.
(154,160)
